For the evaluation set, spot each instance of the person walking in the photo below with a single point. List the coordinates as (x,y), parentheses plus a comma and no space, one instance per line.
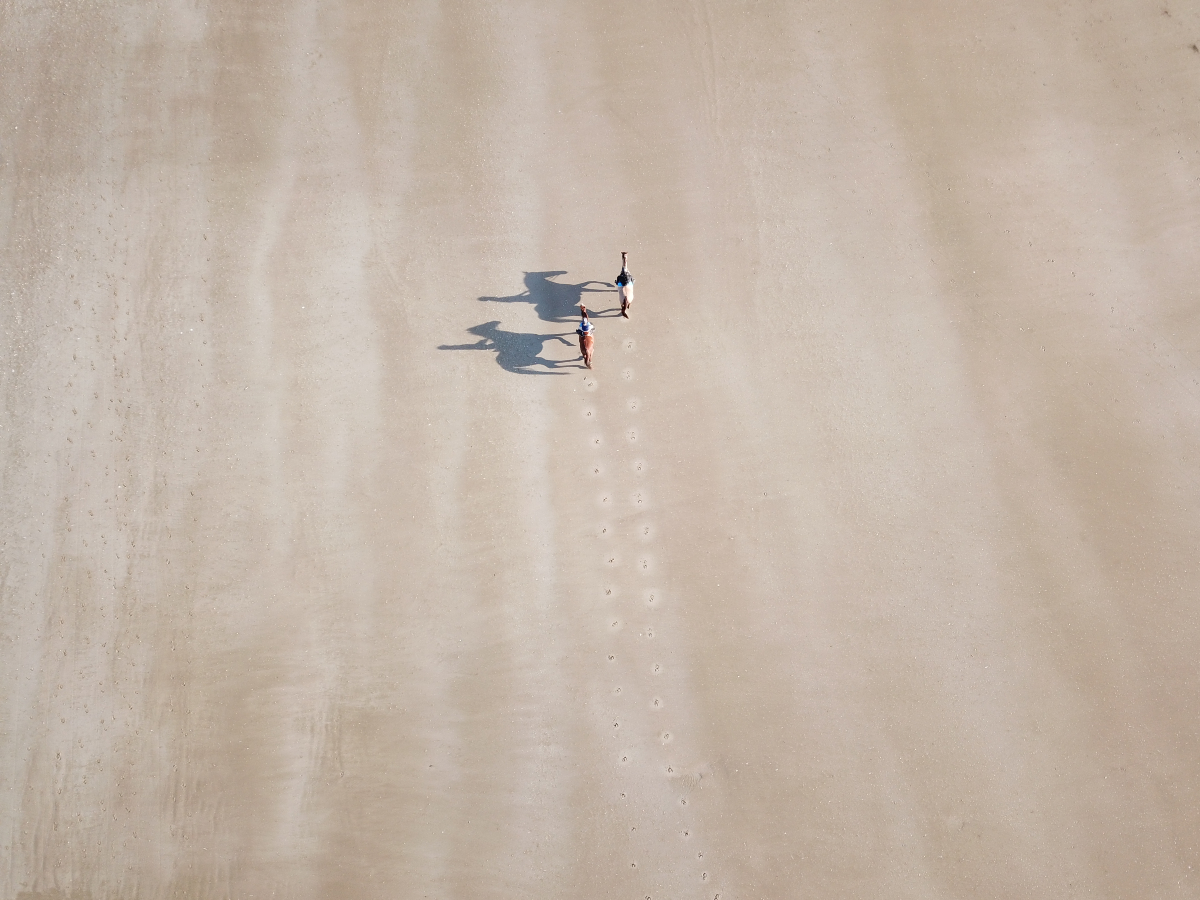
(587,340)
(625,285)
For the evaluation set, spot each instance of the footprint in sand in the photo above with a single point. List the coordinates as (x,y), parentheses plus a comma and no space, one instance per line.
(645,531)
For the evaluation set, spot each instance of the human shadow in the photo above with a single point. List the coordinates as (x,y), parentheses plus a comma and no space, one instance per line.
(516,351)
(554,301)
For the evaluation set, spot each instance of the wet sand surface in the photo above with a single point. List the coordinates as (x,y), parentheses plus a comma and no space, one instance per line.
(861,565)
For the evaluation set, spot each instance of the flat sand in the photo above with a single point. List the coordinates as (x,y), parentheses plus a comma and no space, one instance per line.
(862,564)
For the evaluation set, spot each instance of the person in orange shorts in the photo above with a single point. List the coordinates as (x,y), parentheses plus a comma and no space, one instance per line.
(587,340)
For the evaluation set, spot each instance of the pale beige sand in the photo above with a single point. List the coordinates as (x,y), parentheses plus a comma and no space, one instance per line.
(863,564)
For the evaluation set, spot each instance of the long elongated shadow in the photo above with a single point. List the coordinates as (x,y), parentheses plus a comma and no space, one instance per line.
(517,351)
(554,301)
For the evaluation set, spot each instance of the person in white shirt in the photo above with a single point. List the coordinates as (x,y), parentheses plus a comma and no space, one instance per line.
(625,285)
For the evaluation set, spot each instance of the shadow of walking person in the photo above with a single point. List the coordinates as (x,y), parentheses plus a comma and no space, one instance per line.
(552,300)
(516,351)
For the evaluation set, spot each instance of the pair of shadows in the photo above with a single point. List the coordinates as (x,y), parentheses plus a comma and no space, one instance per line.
(553,301)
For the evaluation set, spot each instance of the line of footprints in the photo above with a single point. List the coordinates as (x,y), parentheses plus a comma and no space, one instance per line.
(633,647)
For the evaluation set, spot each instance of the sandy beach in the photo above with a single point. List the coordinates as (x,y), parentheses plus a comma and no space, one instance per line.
(857,567)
